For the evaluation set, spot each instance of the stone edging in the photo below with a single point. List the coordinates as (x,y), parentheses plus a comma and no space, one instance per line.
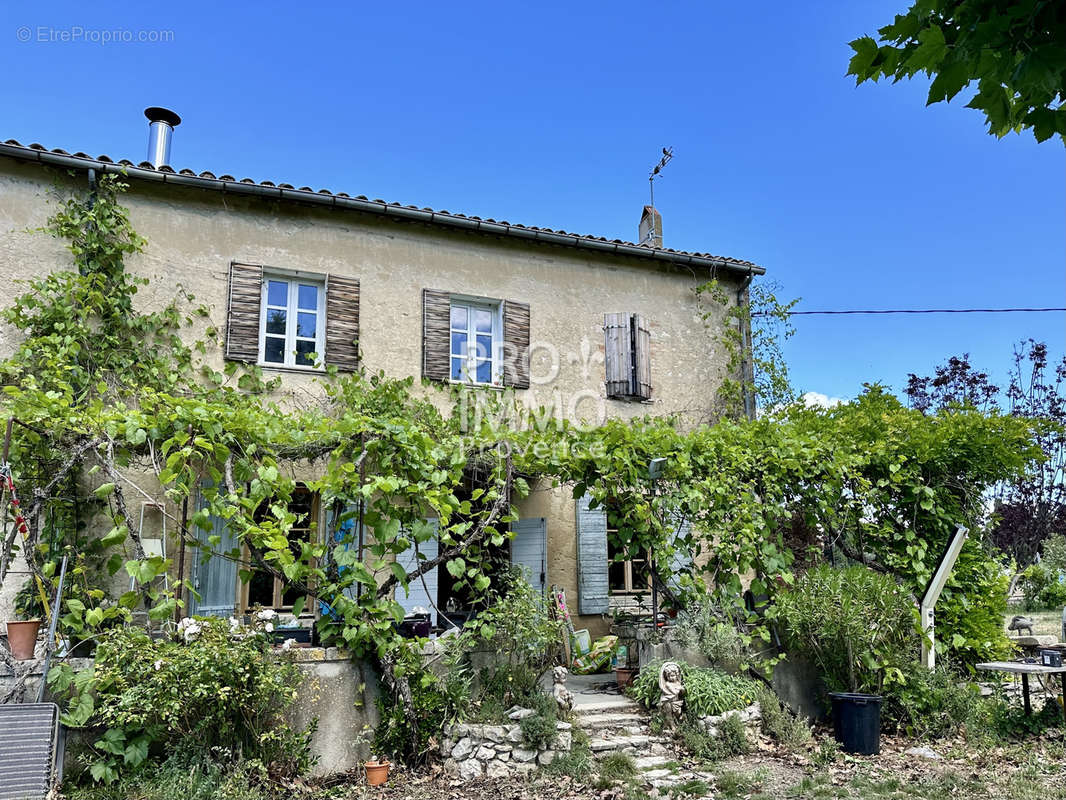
(496,751)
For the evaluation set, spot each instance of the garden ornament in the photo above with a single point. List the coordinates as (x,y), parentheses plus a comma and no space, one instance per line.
(563,696)
(671,694)
(1020,623)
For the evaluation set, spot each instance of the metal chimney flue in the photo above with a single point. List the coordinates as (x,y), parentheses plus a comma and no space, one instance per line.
(161,125)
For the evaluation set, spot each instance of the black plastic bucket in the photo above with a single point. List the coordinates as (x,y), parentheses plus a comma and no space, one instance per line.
(857,722)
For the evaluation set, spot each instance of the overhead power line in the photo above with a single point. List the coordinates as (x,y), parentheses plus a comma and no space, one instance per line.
(912,311)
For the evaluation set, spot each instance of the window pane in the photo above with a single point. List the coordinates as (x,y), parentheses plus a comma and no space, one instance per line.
(484,346)
(483,320)
(276,321)
(458,344)
(278,293)
(274,350)
(459,317)
(261,589)
(308,297)
(484,372)
(616,576)
(305,324)
(457,368)
(303,351)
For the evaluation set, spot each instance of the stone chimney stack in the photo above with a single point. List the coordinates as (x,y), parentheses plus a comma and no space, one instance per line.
(651,228)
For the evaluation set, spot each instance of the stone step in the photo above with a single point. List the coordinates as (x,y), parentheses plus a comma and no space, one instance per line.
(606,745)
(609,704)
(595,722)
(645,763)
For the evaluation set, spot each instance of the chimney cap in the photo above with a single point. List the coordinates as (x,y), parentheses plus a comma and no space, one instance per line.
(159,114)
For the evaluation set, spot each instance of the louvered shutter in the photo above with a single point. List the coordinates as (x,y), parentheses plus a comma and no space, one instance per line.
(342,323)
(681,558)
(516,344)
(529,549)
(436,336)
(423,590)
(591,558)
(214,576)
(242,319)
(641,358)
(617,354)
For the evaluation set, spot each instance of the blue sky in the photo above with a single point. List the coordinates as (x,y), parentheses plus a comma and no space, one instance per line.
(552,114)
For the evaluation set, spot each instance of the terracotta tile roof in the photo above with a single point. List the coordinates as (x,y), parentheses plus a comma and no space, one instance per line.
(286,191)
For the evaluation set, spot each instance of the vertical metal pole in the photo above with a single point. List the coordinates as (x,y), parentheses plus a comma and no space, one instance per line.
(181,559)
(1025,694)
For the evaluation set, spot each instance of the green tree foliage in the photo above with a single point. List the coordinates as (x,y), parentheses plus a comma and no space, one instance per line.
(1014,50)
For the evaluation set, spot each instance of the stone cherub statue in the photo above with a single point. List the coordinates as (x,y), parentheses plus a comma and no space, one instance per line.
(671,694)
(563,696)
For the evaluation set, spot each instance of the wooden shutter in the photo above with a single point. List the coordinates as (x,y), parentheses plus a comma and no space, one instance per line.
(214,577)
(516,344)
(529,549)
(591,558)
(342,323)
(681,559)
(242,320)
(641,358)
(436,335)
(617,354)
(419,593)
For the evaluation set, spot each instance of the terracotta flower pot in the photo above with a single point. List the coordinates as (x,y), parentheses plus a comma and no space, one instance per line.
(377,772)
(22,638)
(624,676)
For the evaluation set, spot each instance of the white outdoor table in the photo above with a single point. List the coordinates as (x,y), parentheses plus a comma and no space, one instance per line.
(1025,670)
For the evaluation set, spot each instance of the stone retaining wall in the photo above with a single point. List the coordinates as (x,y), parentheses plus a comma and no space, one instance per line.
(496,751)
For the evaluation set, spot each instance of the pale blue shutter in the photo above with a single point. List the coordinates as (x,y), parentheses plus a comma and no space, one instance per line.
(345,536)
(214,579)
(529,550)
(422,590)
(591,527)
(681,558)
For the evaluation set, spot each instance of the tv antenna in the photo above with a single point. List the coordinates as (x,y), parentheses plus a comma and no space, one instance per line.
(668,153)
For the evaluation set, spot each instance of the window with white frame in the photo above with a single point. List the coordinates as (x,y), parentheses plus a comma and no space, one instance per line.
(292,322)
(476,342)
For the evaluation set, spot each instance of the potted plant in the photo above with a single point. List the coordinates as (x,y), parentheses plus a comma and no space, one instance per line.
(22,638)
(377,771)
(624,675)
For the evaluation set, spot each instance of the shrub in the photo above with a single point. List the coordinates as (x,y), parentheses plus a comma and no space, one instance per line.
(539,729)
(732,739)
(934,704)
(705,629)
(220,693)
(1043,587)
(707,691)
(856,626)
(780,723)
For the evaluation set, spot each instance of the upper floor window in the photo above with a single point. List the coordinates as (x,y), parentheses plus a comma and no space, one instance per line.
(285,318)
(480,341)
(292,322)
(475,342)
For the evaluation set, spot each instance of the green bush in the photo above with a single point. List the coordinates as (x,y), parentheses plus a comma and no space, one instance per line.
(935,704)
(1054,552)
(1044,587)
(779,723)
(539,729)
(856,626)
(707,691)
(702,627)
(732,739)
(221,693)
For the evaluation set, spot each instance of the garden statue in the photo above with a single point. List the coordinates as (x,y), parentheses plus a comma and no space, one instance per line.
(563,696)
(1020,623)
(671,694)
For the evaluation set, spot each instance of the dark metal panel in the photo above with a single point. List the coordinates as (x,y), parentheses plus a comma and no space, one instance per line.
(27,749)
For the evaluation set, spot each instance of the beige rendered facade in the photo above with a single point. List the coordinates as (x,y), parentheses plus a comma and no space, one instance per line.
(197,228)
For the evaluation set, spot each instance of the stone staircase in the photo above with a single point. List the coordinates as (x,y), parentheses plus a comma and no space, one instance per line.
(617,724)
